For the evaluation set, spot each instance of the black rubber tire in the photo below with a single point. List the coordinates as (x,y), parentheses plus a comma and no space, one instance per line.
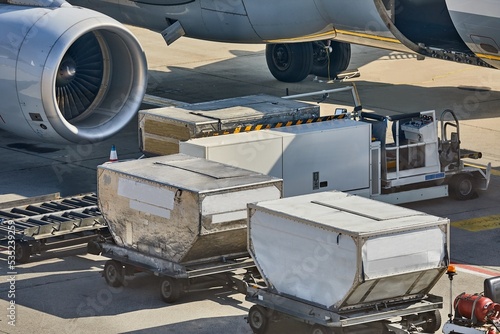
(114,273)
(318,329)
(328,64)
(170,289)
(22,252)
(291,62)
(257,319)
(433,321)
(463,187)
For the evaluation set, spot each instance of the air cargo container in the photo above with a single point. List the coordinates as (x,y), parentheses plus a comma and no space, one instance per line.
(161,129)
(337,260)
(177,217)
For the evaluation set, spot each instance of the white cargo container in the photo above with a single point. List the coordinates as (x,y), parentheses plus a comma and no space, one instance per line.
(344,252)
(332,155)
(180,208)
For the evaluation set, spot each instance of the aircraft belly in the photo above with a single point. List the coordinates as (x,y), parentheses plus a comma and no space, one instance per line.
(287,20)
(478,24)
(226,20)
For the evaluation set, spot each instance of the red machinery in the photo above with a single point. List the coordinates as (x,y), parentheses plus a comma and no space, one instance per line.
(475,313)
(484,308)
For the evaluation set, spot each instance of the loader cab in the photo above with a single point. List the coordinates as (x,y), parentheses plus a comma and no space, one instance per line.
(409,147)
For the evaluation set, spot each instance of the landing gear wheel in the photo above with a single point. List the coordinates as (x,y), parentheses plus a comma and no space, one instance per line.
(290,62)
(257,319)
(328,63)
(462,187)
(113,273)
(22,251)
(170,289)
(318,329)
(433,321)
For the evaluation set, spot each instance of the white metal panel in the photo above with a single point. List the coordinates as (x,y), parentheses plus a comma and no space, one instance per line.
(146,193)
(302,261)
(351,214)
(221,205)
(333,155)
(403,252)
(324,156)
(258,151)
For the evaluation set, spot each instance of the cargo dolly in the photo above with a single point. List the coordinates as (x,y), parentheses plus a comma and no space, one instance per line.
(231,271)
(46,222)
(180,218)
(403,317)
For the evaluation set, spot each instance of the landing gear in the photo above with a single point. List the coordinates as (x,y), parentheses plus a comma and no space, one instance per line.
(330,58)
(289,62)
(293,62)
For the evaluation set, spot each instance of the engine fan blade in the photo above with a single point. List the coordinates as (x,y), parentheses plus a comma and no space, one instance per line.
(79,77)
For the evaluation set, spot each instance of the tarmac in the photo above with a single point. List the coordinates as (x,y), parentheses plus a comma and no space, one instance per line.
(62,291)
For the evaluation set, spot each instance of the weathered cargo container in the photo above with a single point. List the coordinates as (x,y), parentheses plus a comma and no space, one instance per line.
(180,208)
(161,129)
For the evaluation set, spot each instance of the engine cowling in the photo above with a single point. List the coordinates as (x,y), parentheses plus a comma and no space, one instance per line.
(67,74)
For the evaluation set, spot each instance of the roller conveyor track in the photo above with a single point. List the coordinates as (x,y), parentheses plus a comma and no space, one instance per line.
(49,216)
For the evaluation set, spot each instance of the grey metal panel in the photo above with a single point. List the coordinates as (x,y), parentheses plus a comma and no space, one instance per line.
(286,19)
(189,173)
(478,23)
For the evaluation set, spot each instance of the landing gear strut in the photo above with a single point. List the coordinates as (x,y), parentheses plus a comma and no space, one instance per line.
(293,62)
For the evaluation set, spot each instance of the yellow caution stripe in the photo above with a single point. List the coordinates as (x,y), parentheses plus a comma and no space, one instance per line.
(488,56)
(493,171)
(256,127)
(369,36)
(478,224)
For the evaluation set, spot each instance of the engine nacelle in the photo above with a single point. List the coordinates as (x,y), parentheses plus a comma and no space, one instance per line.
(67,74)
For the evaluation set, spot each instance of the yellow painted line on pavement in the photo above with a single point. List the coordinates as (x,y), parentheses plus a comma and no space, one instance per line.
(493,170)
(478,224)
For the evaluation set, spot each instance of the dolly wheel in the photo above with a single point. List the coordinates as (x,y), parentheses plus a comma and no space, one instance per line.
(433,321)
(23,251)
(113,273)
(318,329)
(170,289)
(257,319)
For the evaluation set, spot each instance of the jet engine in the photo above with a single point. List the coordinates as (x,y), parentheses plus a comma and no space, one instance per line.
(67,74)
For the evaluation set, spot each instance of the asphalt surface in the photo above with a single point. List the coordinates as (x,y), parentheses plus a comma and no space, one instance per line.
(62,291)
